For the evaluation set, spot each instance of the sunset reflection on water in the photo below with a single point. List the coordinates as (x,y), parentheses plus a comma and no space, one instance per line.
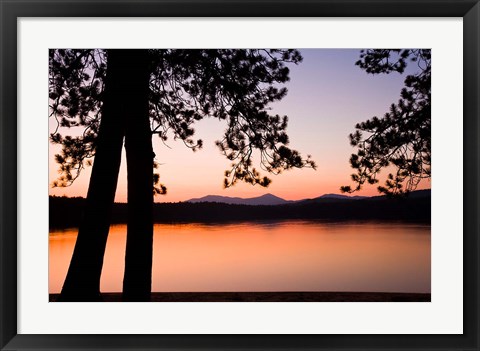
(279,256)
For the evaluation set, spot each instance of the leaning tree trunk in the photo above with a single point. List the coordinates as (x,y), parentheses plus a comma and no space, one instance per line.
(138,145)
(83,278)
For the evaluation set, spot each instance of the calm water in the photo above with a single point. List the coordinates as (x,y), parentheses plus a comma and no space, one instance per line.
(280,256)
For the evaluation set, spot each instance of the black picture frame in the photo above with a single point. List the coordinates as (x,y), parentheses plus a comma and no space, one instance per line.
(11,10)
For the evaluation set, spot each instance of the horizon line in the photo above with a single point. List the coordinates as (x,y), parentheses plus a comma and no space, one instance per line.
(248,198)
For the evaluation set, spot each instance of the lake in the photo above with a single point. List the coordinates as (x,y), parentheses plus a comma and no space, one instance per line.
(273,256)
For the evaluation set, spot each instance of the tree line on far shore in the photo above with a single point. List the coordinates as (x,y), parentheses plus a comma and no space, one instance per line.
(67,212)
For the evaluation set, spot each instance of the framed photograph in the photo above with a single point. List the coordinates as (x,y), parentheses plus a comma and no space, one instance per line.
(311,215)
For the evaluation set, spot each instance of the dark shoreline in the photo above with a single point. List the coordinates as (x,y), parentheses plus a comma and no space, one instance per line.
(307,296)
(67,212)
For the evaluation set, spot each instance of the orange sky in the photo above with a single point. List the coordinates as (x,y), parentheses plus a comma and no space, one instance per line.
(327,95)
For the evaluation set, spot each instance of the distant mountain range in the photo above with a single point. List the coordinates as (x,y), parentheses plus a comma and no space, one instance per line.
(267,199)
(67,212)
(270,199)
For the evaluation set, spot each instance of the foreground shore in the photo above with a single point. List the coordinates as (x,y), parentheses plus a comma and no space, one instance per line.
(273,297)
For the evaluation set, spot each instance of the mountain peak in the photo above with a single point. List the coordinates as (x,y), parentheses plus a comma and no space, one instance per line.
(266,199)
(268,195)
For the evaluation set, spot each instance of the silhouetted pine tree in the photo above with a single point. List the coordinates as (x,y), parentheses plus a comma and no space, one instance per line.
(112,96)
(402,137)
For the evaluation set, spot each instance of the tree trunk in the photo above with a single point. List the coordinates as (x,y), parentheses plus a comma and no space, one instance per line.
(138,145)
(83,278)
(124,113)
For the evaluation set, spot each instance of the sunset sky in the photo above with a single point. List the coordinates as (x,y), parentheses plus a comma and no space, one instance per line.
(327,96)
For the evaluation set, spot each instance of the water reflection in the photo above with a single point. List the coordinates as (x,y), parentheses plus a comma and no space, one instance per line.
(279,256)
